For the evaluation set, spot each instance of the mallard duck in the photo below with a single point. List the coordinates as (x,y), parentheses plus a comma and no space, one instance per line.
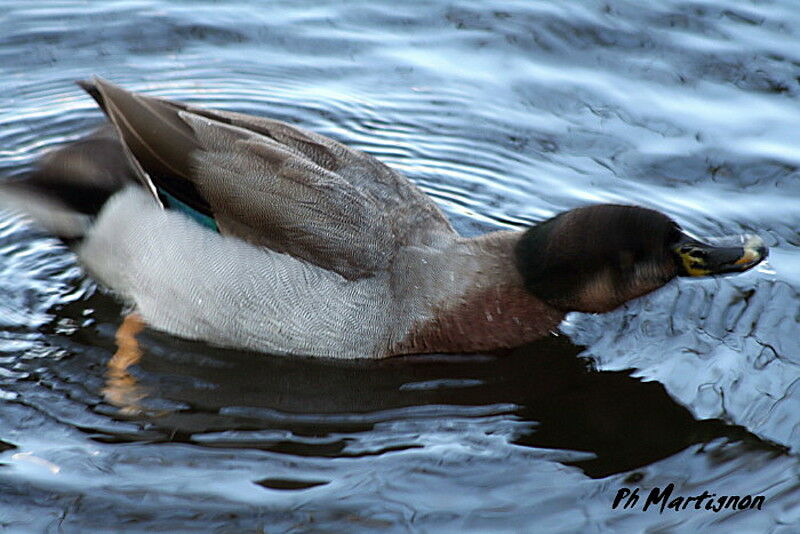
(252,233)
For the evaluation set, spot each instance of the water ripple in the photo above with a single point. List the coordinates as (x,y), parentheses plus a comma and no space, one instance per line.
(505,113)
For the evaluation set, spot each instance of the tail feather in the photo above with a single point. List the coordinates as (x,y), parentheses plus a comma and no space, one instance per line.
(71,184)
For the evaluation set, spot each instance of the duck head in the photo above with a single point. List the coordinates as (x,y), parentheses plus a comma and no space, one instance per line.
(595,258)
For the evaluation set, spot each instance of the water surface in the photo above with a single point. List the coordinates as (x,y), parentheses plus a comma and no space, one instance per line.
(505,113)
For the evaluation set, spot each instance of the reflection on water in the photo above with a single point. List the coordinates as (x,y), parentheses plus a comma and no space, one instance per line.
(303,413)
(505,113)
(555,400)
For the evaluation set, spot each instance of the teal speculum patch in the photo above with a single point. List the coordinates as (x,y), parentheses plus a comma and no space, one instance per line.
(173,203)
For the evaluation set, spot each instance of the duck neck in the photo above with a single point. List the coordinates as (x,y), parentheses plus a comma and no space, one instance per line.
(473,300)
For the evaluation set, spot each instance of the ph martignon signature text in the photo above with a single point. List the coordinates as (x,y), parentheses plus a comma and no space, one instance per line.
(658,499)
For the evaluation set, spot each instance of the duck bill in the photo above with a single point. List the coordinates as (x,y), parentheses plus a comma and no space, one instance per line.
(696,258)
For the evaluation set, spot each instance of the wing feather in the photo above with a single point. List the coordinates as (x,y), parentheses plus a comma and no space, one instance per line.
(273,184)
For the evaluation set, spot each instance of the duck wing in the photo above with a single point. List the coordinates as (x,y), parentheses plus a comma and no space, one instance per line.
(272,184)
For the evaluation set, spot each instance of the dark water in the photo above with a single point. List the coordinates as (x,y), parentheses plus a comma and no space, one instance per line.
(504,112)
